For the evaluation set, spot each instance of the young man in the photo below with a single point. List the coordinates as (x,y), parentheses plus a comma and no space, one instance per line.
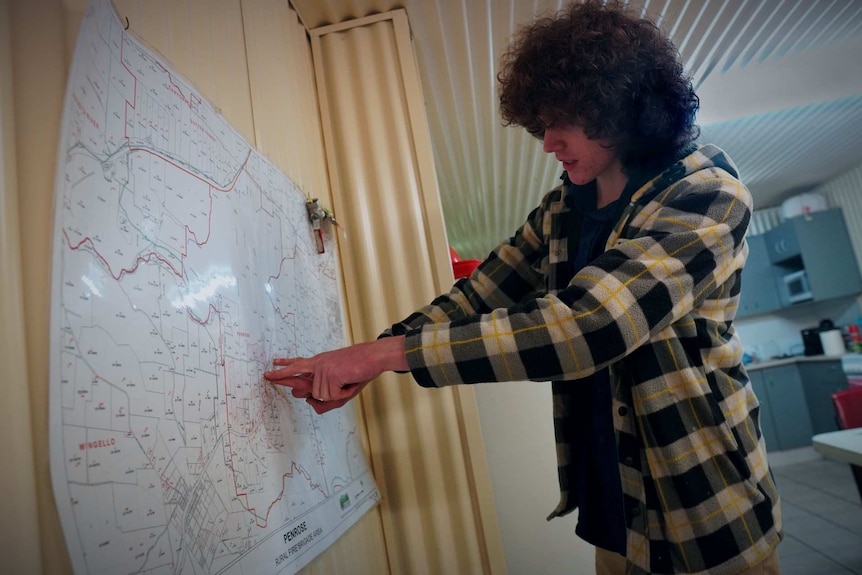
(621,288)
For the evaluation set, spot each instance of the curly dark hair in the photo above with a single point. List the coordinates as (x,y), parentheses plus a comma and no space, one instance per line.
(610,72)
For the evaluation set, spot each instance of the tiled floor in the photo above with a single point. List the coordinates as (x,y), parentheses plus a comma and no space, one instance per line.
(822,515)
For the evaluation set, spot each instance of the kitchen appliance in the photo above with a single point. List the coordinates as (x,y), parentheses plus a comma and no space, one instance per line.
(797,289)
(811,341)
(802,204)
(833,342)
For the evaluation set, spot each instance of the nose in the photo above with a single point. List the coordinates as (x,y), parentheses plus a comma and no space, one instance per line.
(551,141)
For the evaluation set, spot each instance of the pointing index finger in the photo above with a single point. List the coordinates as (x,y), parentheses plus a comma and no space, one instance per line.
(280,375)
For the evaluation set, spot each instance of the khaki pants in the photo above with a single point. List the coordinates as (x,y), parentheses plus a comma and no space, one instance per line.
(610,563)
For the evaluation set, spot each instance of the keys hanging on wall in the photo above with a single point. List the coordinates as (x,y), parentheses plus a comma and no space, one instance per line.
(317,215)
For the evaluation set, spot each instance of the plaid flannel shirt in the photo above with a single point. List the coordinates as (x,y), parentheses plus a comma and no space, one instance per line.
(656,308)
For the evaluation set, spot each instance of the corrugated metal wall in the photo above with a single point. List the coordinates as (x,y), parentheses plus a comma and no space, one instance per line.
(426,446)
(845,192)
(764,220)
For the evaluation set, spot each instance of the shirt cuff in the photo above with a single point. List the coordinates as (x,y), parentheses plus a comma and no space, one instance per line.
(419,369)
(436,360)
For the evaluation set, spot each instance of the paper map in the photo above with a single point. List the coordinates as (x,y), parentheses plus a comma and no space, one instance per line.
(183,263)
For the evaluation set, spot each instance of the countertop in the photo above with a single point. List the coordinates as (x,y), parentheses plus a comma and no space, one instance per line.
(789,360)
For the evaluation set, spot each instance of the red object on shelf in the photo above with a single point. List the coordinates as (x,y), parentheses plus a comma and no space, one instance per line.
(461,268)
(453,255)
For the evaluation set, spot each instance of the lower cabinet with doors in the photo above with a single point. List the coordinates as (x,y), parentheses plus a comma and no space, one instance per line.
(796,401)
(819,381)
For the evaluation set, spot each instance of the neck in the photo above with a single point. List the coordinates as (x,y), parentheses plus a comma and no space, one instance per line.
(610,185)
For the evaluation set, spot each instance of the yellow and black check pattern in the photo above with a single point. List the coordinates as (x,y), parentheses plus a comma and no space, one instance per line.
(656,308)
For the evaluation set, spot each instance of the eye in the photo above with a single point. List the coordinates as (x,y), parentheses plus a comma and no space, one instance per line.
(537,132)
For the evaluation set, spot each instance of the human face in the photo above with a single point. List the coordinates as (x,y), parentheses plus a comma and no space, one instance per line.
(583,159)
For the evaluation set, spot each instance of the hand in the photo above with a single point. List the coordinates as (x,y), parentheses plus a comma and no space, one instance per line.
(335,377)
(301,388)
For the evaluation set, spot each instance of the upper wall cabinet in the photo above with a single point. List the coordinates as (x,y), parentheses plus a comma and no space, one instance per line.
(820,245)
(759,293)
(782,243)
(816,247)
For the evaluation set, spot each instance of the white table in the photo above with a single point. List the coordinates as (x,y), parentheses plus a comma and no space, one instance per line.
(844,445)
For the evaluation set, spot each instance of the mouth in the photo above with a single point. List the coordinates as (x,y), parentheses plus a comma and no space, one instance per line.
(568,164)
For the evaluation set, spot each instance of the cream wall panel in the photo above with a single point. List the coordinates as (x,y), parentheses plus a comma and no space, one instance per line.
(437,513)
(39,75)
(284,96)
(19,525)
(206,41)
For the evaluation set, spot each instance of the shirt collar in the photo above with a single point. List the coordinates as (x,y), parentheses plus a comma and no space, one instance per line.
(583,198)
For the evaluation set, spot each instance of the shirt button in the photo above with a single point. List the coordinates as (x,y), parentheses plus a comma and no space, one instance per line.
(629,461)
(635,511)
(557,253)
(623,410)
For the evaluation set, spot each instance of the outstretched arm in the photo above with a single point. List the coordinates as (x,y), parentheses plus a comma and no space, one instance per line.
(330,379)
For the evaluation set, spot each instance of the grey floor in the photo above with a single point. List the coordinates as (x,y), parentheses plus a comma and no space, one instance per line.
(822,515)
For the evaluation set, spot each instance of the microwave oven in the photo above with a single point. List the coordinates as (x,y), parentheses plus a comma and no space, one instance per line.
(796,287)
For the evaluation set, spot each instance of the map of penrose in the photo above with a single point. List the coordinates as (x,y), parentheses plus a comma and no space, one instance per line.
(183,263)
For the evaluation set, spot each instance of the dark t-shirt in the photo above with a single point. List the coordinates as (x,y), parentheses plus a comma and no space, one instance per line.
(599,494)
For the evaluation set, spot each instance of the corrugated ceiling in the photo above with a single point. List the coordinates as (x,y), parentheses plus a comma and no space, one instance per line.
(780,83)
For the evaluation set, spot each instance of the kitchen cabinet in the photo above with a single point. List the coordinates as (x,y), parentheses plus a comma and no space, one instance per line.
(767,427)
(819,244)
(782,243)
(819,381)
(788,409)
(796,401)
(759,292)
